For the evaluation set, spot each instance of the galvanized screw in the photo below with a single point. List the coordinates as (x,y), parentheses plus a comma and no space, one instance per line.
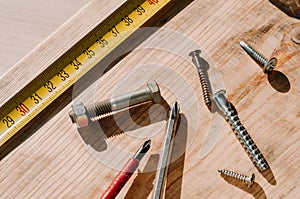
(203,79)
(268,65)
(81,115)
(241,133)
(247,179)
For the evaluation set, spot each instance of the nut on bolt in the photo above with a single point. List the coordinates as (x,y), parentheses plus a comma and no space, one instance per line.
(81,114)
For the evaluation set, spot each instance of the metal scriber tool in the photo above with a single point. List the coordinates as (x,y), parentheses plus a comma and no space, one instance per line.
(123,176)
(231,116)
(164,160)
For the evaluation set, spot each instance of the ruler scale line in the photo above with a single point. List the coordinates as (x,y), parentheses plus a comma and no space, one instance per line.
(64,72)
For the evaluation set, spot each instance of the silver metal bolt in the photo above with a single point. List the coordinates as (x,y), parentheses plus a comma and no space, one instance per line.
(203,78)
(81,115)
(241,133)
(268,65)
(247,179)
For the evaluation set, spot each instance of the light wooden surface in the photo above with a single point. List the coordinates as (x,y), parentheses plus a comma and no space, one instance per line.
(24,24)
(55,162)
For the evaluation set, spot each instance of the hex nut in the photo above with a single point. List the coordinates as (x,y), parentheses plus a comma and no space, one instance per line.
(154,91)
(79,115)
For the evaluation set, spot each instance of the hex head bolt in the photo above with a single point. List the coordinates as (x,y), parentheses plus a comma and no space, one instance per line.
(267,65)
(81,115)
(202,76)
(241,133)
(246,179)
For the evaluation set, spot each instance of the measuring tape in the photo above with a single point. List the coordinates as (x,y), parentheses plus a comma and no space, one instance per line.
(72,65)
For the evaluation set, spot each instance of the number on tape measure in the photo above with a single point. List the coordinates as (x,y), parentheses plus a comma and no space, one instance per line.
(76,64)
(36,98)
(8,121)
(58,77)
(23,109)
(152,2)
(102,42)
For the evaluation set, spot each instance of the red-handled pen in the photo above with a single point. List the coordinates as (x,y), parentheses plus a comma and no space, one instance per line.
(123,176)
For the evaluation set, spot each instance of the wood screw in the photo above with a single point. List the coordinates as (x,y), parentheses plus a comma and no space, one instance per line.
(247,179)
(241,133)
(268,65)
(203,78)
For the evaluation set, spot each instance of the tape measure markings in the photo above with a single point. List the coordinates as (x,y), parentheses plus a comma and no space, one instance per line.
(55,80)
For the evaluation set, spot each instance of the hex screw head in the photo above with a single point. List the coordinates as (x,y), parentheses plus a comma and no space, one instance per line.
(81,115)
(154,91)
(267,65)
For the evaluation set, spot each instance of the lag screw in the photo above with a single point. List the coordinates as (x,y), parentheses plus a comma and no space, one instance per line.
(247,179)
(203,77)
(231,116)
(267,65)
(81,115)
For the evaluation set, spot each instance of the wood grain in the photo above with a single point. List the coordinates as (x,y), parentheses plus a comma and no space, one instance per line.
(25,24)
(290,7)
(56,162)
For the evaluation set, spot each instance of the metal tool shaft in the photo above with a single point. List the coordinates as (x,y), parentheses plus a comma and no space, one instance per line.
(166,151)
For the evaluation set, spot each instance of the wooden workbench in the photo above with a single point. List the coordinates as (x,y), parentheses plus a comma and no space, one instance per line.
(56,160)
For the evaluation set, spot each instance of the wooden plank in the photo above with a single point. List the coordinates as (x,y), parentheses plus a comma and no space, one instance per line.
(56,162)
(25,24)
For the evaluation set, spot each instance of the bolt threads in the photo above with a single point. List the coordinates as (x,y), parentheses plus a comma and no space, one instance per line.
(245,139)
(254,54)
(99,109)
(205,88)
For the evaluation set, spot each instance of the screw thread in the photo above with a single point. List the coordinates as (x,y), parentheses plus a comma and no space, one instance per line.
(99,109)
(203,77)
(234,175)
(205,88)
(254,54)
(245,139)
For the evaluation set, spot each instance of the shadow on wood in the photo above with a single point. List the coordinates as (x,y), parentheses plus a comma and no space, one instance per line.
(289,7)
(255,190)
(143,183)
(136,117)
(279,81)
(158,20)
(176,168)
(269,176)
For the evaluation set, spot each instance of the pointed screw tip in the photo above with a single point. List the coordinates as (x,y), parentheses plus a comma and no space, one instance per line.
(243,44)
